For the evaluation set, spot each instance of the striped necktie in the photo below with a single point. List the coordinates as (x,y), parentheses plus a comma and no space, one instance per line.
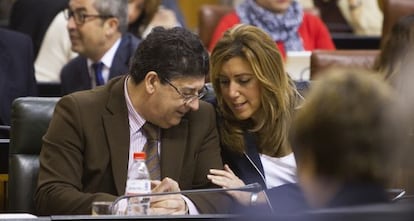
(97,68)
(150,131)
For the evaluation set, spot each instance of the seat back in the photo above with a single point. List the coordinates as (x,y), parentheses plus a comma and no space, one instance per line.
(332,16)
(30,120)
(321,60)
(208,18)
(393,11)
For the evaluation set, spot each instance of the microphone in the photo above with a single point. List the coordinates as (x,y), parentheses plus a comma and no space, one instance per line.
(252,188)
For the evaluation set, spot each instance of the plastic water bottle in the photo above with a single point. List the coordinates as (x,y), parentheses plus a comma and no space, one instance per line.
(138,182)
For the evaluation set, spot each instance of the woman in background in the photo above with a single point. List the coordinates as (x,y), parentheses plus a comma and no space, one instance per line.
(146,14)
(284,21)
(394,50)
(395,63)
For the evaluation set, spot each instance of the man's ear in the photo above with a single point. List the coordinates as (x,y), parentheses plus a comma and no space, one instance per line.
(151,82)
(111,26)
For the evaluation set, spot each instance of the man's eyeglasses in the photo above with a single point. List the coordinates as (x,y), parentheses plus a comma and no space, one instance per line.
(188,98)
(80,16)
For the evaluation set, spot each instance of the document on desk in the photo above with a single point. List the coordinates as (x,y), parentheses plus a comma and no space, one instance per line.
(17,216)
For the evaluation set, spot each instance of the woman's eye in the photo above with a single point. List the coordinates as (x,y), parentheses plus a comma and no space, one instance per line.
(223,81)
(244,81)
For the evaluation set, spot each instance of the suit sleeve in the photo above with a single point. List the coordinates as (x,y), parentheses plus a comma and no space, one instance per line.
(208,156)
(60,189)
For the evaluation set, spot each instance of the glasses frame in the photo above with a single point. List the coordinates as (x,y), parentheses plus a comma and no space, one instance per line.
(83,16)
(187,98)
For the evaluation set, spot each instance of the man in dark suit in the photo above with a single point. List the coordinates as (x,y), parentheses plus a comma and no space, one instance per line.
(33,17)
(97,31)
(16,71)
(93,134)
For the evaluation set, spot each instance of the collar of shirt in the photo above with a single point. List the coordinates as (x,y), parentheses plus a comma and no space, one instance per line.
(107,60)
(135,120)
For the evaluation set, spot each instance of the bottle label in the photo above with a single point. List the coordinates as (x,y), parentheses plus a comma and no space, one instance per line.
(138,186)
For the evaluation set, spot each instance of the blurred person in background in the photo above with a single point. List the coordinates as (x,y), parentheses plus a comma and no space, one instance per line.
(33,17)
(285,21)
(395,64)
(98,33)
(396,49)
(364,16)
(346,138)
(55,50)
(147,14)
(16,72)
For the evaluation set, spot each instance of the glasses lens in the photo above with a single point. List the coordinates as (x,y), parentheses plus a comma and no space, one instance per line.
(79,17)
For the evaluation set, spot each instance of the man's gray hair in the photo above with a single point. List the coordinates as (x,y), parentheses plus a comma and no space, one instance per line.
(116,8)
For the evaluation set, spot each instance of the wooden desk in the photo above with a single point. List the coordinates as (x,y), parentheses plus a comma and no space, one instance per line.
(4,178)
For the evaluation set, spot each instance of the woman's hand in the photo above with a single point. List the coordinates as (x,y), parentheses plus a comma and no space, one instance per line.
(227,179)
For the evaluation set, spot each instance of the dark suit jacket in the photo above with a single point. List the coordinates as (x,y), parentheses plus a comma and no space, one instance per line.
(75,75)
(33,17)
(16,70)
(284,199)
(84,157)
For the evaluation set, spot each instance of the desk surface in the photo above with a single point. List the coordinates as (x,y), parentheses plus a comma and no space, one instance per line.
(379,212)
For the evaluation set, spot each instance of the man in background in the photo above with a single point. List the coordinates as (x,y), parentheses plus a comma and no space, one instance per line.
(97,30)
(16,72)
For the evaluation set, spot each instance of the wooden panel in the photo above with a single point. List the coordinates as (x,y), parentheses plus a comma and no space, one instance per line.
(190,8)
(3,191)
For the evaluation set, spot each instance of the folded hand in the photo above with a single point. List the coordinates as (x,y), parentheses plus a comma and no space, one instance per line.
(167,204)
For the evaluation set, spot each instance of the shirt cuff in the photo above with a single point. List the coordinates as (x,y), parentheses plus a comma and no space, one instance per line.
(192,209)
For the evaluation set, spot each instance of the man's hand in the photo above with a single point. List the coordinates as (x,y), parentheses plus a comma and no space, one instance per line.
(168,204)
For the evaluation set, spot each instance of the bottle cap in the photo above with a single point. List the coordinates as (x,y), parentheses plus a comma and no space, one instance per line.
(139,155)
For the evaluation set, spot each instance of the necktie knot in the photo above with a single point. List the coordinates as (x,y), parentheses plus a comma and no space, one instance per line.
(150,131)
(97,68)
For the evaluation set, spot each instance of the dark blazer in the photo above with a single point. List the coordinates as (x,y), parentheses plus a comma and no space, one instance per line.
(33,17)
(84,156)
(284,199)
(75,75)
(16,70)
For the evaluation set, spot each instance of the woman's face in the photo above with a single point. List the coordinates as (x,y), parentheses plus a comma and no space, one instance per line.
(278,6)
(135,8)
(240,88)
